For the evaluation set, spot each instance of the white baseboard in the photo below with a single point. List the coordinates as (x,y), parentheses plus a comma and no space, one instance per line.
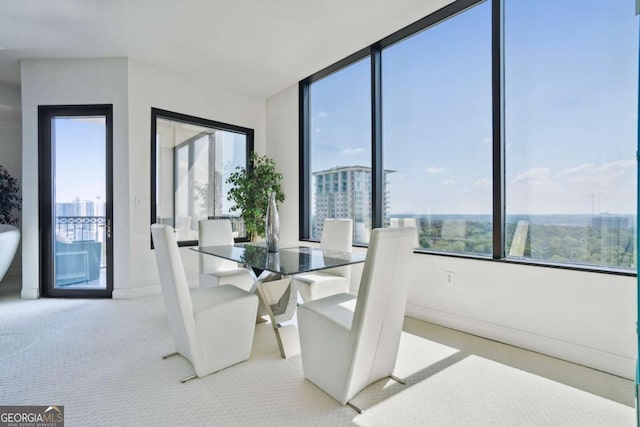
(128,293)
(607,362)
(30,293)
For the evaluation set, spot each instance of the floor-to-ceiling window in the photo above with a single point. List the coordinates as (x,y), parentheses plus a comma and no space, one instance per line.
(570,74)
(503,129)
(436,133)
(340,135)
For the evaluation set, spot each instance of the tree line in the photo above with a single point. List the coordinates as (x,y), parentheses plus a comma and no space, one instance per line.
(606,246)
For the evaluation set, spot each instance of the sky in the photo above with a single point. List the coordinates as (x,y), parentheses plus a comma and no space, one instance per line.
(79,158)
(570,111)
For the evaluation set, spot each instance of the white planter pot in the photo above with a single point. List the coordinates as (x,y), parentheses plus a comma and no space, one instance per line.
(9,239)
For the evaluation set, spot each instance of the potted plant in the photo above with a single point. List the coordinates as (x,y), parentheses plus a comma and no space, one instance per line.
(10,205)
(250,192)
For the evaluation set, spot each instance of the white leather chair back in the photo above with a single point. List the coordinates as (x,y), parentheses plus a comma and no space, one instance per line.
(337,235)
(380,307)
(214,232)
(175,290)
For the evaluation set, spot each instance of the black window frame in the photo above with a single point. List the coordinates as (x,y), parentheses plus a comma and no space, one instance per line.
(157,113)
(374,52)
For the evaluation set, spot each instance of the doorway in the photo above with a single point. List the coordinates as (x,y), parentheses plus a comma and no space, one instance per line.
(76,192)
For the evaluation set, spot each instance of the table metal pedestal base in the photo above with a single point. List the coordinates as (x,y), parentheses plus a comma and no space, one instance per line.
(278,298)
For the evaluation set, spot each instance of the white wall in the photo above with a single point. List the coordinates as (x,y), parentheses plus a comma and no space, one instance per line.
(152,87)
(66,82)
(280,132)
(587,318)
(11,146)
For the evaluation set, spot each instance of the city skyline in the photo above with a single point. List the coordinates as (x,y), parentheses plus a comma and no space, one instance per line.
(79,207)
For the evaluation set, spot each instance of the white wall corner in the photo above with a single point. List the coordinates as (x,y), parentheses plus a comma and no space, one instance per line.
(282,147)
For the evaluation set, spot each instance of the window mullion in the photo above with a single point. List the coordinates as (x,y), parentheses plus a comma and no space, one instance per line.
(304,175)
(498,129)
(377,173)
(191,179)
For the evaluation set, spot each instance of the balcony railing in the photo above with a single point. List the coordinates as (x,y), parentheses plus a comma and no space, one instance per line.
(83,228)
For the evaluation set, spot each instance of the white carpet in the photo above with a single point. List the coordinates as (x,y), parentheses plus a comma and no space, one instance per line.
(101,359)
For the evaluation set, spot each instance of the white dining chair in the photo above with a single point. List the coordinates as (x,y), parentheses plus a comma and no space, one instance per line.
(337,235)
(211,327)
(349,342)
(214,270)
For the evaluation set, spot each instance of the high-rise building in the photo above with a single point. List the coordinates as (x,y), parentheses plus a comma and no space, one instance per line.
(77,208)
(345,192)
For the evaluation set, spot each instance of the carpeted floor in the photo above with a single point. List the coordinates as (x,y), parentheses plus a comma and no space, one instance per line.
(101,359)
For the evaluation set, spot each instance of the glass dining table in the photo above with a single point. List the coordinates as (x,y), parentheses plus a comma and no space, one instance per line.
(272,271)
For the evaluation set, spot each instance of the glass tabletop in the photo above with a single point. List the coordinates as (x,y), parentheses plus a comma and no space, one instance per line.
(289,260)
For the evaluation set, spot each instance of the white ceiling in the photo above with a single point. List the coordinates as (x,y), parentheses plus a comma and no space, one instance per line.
(256,46)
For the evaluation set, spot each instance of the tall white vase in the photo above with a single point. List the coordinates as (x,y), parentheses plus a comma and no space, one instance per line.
(9,239)
(272,225)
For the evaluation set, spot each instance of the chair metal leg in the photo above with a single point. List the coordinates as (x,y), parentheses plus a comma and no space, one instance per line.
(166,356)
(393,377)
(354,407)
(190,377)
(398,380)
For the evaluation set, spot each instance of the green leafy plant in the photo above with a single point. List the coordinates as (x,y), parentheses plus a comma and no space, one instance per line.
(10,202)
(250,192)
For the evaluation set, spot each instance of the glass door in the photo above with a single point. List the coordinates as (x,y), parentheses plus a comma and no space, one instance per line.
(75,198)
